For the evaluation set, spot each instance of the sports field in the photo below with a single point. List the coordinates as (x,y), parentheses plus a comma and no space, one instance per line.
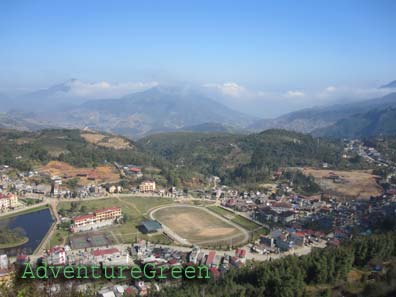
(199,225)
(355,183)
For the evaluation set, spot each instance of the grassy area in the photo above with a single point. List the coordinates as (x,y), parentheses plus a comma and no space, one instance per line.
(57,238)
(245,223)
(134,208)
(30,201)
(258,232)
(221,211)
(14,243)
(235,218)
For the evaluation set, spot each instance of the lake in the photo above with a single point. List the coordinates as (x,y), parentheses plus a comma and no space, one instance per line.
(35,224)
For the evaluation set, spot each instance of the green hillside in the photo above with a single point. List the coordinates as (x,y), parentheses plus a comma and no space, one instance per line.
(242,158)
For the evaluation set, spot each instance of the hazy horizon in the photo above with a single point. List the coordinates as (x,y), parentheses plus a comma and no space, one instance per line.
(261,58)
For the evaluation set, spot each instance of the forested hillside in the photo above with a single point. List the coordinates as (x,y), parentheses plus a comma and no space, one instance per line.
(321,273)
(243,158)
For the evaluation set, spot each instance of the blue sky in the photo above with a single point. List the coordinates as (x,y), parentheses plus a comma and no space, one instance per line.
(265,46)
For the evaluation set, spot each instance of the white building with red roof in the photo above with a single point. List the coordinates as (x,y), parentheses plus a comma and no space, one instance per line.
(97,219)
(8,201)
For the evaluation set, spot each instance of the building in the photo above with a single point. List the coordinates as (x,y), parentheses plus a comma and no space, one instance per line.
(3,262)
(147,186)
(151,226)
(56,256)
(8,201)
(105,252)
(99,218)
(108,213)
(298,238)
(210,259)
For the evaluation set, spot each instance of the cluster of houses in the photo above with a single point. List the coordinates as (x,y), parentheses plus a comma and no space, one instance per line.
(99,218)
(139,253)
(280,240)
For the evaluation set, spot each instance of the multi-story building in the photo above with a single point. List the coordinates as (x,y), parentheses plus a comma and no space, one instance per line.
(107,213)
(8,201)
(147,186)
(98,218)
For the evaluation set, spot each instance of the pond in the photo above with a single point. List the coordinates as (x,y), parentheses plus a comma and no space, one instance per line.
(35,226)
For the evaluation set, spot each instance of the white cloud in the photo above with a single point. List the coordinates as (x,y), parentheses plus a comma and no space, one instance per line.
(105,89)
(229,89)
(294,94)
(348,93)
(331,89)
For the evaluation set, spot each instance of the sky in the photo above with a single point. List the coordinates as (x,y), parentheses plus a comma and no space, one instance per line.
(262,57)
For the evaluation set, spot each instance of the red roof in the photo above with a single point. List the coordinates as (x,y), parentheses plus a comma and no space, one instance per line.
(281,204)
(9,195)
(299,234)
(241,253)
(57,249)
(107,209)
(211,257)
(110,251)
(135,169)
(83,217)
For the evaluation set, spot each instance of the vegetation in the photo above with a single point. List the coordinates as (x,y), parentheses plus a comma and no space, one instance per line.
(302,184)
(27,150)
(296,276)
(12,237)
(242,158)
(235,218)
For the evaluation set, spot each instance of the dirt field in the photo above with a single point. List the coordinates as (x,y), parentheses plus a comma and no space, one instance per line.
(101,173)
(197,225)
(109,141)
(351,184)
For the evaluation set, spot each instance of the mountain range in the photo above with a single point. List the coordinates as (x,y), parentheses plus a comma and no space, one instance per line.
(168,108)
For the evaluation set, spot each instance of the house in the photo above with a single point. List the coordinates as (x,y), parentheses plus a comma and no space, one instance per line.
(284,244)
(8,201)
(3,262)
(114,189)
(147,186)
(267,241)
(56,256)
(210,258)
(298,238)
(286,216)
(151,226)
(105,252)
(240,253)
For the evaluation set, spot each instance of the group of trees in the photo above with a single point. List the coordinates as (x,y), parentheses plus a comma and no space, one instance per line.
(243,158)
(302,184)
(292,275)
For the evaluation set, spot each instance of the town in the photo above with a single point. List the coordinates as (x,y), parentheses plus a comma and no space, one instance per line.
(265,224)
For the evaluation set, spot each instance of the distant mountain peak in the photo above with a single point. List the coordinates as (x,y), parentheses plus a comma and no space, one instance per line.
(391,85)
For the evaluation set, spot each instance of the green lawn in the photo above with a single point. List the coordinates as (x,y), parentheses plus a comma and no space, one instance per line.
(135,209)
(237,219)
(245,223)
